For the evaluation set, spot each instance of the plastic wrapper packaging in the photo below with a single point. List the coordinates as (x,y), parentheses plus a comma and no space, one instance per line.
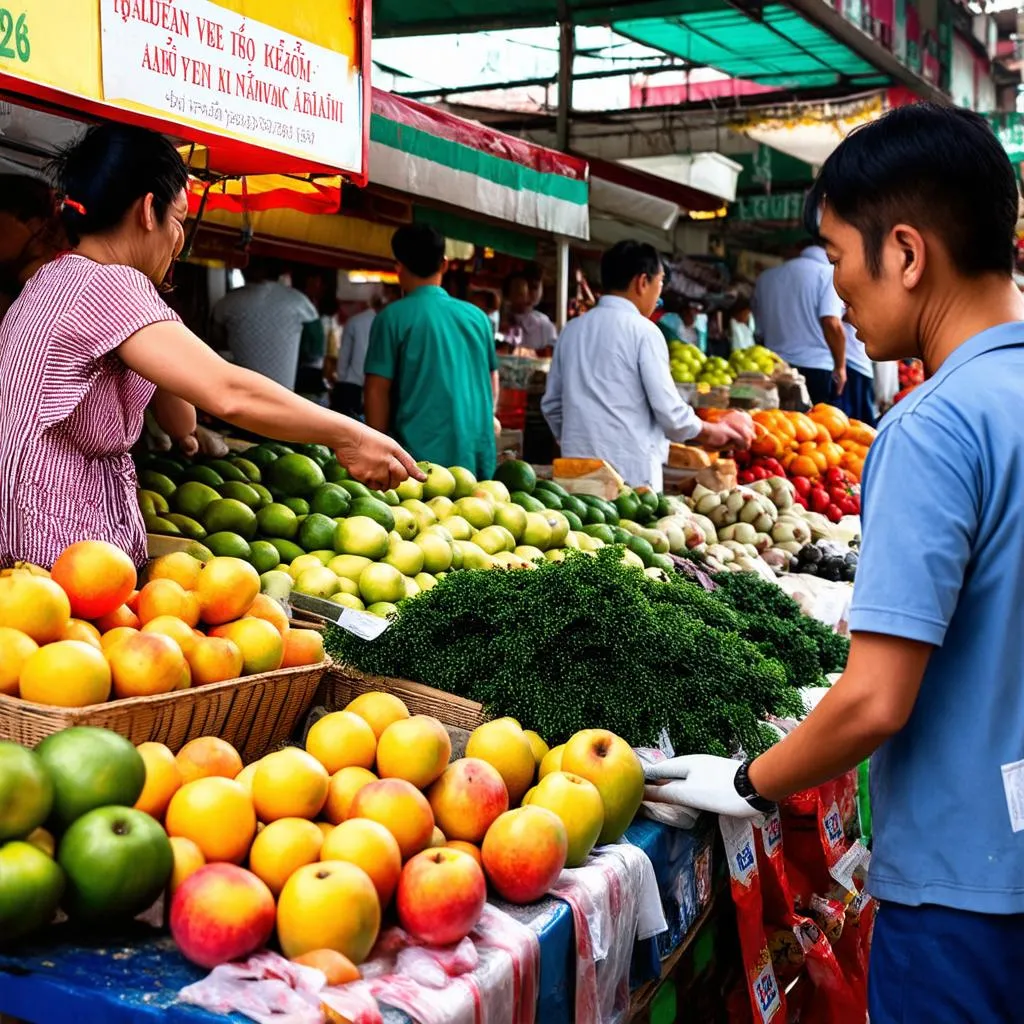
(823,600)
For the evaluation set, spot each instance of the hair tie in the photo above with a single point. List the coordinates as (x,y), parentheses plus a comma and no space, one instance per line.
(74,204)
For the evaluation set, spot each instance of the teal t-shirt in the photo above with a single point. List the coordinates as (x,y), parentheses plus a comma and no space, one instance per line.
(439,354)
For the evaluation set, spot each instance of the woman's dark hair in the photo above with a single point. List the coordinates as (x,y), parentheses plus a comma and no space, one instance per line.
(26,198)
(419,248)
(627,260)
(111,166)
(937,168)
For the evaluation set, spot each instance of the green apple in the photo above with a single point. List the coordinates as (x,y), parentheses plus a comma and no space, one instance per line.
(437,552)
(406,556)
(465,482)
(360,535)
(538,531)
(531,554)
(494,539)
(578,803)
(277,583)
(409,488)
(513,518)
(406,524)
(496,489)
(383,609)
(348,567)
(302,564)
(412,588)
(425,581)
(317,582)
(441,507)
(26,791)
(473,557)
(559,527)
(478,512)
(439,483)
(423,513)
(381,582)
(458,527)
(347,601)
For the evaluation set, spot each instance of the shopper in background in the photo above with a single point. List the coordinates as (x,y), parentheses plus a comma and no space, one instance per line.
(262,322)
(857,398)
(741,324)
(317,286)
(432,369)
(347,396)
(800,317)
(610,394)
(525,326)
(919,211)
(89,342)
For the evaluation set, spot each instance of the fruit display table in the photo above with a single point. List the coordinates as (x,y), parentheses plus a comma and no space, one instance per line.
(134,977)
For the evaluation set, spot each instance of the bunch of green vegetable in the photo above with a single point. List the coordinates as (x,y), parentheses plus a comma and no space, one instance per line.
(594,643)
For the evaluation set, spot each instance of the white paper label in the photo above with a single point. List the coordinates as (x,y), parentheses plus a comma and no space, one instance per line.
(738,837)
(362,624)
(771,832)
(199,63)
(766,991)
(1013,783)
(833,822)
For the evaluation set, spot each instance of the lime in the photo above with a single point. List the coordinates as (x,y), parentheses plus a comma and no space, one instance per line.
(227,470)
(244,493)
(334,472)
(153,504)
(381,582)
(373,509)
(288,550)
(356,489)
(298,505)
(527,501)
(229,545)
(316,532)
(361,535)
(277,520)
(330,500)
(260,456)
(153,481)
(603,532)
(188,527)
(465,482)
(230,515)
(517,476)
(203,475)
(157,524)
(193,498)
(296,475)
(263,494)
(264,556)
(250,469)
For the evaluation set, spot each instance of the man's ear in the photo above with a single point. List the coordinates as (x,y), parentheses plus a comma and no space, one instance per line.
(912,252)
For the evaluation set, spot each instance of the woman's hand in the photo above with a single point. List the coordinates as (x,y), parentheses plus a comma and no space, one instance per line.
(375,459)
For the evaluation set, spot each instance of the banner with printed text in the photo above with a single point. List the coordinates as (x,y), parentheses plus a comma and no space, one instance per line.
(284,77)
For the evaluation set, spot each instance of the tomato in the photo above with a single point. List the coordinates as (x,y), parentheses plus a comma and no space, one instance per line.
(848,506)
(833,514)
(802,485)
(745,476)
(833,419)
(760,473)
(835,476)
(802,465)
(799,499)
(819,499)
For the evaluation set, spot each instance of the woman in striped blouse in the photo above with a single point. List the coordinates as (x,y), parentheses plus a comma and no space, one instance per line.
(89,342)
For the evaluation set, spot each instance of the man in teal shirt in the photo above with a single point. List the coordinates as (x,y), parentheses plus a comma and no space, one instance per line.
(432,369)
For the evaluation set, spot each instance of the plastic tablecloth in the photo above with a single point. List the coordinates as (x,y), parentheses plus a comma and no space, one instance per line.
(133,976)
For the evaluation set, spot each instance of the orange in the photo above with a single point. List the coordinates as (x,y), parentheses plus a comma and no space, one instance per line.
(342,791)
(217,815)
(188,859)
(15,649)
(379,709)
(163,779)
(34,605)
(214,660)
(146,664)
(67,674)
(264,607)
(165,597)
(342,739)
(208,756)
(178,566)
(117,619)
(262,646)
(302,647)
(803,465)
(96,576)
(282,848)
(289,783)
(245,776)
(115,636)
(226,588)
(177,629)
(79,629)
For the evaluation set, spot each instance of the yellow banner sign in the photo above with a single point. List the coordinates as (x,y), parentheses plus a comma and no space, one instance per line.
(286,77)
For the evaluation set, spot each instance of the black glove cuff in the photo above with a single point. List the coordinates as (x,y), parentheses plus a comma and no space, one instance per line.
(745,788)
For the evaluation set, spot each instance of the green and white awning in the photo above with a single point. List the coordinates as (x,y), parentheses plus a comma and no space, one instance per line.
(433,156)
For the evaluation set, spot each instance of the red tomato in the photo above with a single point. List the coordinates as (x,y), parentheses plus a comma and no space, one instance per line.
(803,487)
(848,506)
(819,499)
(833,513)
(760,473)
(745,476)
(800,500)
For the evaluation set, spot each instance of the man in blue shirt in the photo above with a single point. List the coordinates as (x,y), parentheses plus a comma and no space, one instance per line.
(918,216)
(799,315)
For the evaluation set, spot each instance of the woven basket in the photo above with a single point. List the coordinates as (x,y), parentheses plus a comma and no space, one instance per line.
(342,683)
(254,714)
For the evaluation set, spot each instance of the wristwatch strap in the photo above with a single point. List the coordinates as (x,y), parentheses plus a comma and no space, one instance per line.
(745,788)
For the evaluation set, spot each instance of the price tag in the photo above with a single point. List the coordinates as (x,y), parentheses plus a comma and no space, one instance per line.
(362,624)
(738,837)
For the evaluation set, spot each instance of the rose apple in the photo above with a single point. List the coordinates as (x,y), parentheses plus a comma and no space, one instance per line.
(31,885)
(441,895)
(608,761)
(117,860)
(219,913)
(524,852)
(503,745)
(401,808)
(467,798)
(578,803)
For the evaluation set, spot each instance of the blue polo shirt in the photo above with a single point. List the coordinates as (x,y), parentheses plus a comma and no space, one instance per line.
(943,563)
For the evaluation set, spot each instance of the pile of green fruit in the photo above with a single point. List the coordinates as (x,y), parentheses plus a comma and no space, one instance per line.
(303,524)
(756,359)
(69,835)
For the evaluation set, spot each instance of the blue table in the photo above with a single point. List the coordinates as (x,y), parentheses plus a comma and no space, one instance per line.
(133,977)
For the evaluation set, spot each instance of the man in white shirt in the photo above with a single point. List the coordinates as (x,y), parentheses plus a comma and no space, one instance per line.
(262,322)
(610,393)
(799,315)
(347,396)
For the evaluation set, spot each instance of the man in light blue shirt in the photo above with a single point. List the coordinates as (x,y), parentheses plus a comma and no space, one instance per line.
(610,393)
(799,315)
(919,211)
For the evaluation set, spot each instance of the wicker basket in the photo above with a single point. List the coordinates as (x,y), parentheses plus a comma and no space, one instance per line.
(342,683)
(254,714)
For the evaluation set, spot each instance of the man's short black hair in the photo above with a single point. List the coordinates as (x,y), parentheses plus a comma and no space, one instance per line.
(419,248)
(936,168)
(626,260)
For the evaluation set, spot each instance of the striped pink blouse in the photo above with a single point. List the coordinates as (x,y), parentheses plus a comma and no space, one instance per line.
(70,410)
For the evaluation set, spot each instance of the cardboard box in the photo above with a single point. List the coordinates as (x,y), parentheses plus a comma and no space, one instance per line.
(587,476)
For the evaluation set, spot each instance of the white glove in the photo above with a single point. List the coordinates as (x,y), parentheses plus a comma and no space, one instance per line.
(700,781)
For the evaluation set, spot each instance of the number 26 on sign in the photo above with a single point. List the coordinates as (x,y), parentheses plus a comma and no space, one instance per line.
(14,42)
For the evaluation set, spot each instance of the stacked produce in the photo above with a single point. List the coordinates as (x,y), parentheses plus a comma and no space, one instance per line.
(804,445)
(691,366)
(371,815)
(911,375)
(596,642)
(82,634)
